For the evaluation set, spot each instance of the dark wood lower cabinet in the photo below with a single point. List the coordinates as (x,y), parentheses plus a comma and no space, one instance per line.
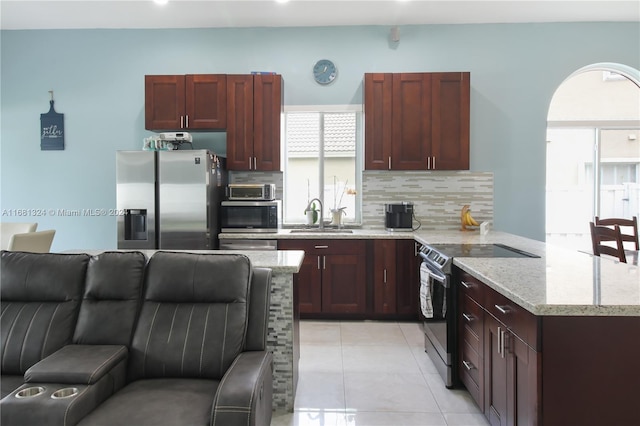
(332,280)
(407,280)
(547,370)
(344,284)
(309,287)
(495,405)
(359,279)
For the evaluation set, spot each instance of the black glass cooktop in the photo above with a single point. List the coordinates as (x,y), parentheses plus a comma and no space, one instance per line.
(480,250)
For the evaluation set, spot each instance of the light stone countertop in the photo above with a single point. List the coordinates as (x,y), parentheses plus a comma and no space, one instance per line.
(350,234)
(560,282)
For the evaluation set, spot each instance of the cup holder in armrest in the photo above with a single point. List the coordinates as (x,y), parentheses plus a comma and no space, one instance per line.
(64,393)
(29,392)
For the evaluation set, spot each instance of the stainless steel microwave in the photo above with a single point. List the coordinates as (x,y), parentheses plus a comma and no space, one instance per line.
(250,191)
(250,216)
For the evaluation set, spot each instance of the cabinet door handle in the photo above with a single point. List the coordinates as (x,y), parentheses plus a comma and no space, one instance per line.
(385,276)
(434,162)
(467,317)
(249,163)
(187,121)
(318,263)
(465,285)
(503,310)
(321,247)
(389,163)
(255,163)
(324,262)
(468,365)
(500,342)
(182,121)
(428,163)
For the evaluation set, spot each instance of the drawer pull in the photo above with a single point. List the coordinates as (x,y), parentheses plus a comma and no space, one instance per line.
(465,285)
(467,317)
(468,365)
(503,310)
(322,247)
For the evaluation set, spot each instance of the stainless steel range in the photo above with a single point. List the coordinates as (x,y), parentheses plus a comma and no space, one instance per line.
(438,299)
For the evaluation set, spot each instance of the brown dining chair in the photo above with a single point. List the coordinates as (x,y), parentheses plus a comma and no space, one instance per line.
(600,234)
(624,225)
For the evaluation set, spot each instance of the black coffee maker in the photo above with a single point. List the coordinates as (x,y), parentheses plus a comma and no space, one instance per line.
(398,216)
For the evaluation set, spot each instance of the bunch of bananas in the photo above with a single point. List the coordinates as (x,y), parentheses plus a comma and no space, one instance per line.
(466,219)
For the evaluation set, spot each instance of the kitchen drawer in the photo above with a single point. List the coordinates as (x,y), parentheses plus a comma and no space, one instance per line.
(469,338)
(471,317)
(470,372)
(521,322)
(322,247)
(472,287)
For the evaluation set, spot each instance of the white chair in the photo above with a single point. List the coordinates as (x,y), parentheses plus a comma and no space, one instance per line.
(35,242)
(8,229)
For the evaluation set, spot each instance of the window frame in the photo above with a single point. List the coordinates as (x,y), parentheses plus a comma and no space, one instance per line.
(359,156)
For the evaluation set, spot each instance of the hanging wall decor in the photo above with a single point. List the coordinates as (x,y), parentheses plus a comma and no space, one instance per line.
(51,129)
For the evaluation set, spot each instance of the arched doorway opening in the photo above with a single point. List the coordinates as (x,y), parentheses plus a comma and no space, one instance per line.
(593,152)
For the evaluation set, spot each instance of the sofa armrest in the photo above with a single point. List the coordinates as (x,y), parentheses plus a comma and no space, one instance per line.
(245,394)
(77,364)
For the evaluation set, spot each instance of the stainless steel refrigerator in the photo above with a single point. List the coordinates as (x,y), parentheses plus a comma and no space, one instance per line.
(169,199)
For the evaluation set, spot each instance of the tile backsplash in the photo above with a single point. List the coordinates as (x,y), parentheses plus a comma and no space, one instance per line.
(438,196)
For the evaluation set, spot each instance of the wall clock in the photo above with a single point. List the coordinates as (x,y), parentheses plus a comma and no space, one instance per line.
(324,71)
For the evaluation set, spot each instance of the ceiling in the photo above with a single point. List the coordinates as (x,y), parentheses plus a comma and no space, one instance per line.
(52,14)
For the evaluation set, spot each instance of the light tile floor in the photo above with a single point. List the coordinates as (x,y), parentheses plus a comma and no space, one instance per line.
(372,373)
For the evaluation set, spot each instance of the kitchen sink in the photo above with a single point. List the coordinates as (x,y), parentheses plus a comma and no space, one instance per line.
(322,231)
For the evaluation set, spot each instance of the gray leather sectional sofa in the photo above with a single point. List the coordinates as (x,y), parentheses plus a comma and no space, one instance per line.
(119,339)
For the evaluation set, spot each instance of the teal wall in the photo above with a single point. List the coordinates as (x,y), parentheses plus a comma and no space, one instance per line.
(98,81)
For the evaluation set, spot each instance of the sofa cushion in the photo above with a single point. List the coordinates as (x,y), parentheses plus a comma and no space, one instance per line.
(111,299)
(157,402)
(194,316)
(40,297)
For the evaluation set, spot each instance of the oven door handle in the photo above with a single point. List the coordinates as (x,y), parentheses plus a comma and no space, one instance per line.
(435,272)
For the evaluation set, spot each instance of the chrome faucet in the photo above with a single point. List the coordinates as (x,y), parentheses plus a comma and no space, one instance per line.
(321,225)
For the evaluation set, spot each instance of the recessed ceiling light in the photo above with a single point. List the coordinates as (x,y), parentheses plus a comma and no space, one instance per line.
(161,2)
(282,1)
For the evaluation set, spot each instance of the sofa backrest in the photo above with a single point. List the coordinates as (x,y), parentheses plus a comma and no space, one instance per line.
(259,302)
(111,300)
(194,315)
(40,297)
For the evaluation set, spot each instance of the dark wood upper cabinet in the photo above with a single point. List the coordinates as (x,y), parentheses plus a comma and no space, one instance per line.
(164,102)
(206,101)
(254,108)
(185,102)
(239,122)
(377,110)
(416,121)
(450,120)
(267,113)
(411,126)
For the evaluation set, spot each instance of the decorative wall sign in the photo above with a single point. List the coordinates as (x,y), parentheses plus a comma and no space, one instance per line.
(51,129)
